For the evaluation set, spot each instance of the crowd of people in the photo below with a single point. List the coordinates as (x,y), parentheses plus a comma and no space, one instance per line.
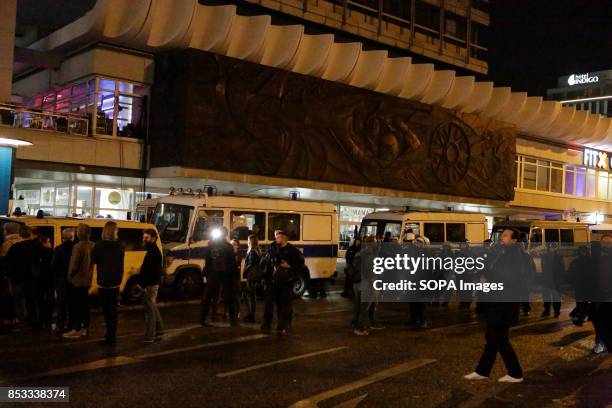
(507,261)
(46,288)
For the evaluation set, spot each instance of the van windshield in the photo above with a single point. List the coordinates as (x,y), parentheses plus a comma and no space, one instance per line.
(172,221)
(381,229)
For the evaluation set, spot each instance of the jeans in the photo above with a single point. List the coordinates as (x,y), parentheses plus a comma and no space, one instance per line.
(250,297)
(551,296)
(363,310)
(497,337)
(18,293)
(79,308)
(153,320)
(211,293)
(108,298)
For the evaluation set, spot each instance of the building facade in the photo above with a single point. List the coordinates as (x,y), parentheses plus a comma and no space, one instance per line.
(588,91)
(341,101)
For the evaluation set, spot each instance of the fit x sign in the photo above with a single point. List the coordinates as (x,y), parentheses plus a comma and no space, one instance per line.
(597,159)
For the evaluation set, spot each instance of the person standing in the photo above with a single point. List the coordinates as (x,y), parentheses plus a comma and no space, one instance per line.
(552,269)
(150,278)
(7,307)
(43,281)
(252,275)
(235,286)
(284,261)
(505,269)
(80,272)
(19,261)
(349,270)
(362,281)
(60,265)
(220,271)
(108,255)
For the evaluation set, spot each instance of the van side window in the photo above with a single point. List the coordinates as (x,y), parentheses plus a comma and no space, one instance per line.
(455,232)
(551,235)
(96,233)
(245,223)
(535,238)
(434,231)
(131,239)
(567,237)
(207,221)
(290,223)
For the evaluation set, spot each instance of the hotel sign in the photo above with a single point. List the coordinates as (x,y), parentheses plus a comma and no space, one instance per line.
(581,79)
(597,159)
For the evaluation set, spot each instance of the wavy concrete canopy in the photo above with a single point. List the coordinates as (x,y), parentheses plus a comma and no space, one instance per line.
(174,24)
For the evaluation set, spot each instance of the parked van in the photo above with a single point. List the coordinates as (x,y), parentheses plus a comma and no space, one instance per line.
(438,227)
(145,209)
(186,222)
(130,234)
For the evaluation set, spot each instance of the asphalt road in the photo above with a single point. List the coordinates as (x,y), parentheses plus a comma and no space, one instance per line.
(320,363)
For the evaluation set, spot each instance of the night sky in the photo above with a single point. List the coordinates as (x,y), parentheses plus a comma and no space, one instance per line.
(532,42)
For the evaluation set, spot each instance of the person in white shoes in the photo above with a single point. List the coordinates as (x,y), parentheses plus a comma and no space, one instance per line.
(508,266)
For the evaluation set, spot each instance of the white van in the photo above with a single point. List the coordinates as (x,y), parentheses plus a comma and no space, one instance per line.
(187,221)
(145,209)
(438,227)
(596,231)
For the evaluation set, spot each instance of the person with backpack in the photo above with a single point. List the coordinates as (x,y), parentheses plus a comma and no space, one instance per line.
(220,272)
(282,263)
(108,255)
(252,276)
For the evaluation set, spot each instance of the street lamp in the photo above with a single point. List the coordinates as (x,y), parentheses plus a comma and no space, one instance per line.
(7,154)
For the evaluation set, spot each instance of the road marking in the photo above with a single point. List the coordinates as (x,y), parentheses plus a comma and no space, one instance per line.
(242,339)
(93,365)
(313,401)
(281,361)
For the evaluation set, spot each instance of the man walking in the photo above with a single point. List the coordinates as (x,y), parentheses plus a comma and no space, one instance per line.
(150,278)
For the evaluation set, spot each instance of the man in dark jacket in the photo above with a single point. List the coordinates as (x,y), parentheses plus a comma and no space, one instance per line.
(20,261)
(349,269)
(507,269)
(284,262)
(220,271)
(59,265)
(150,278)
(108,255)
(552,271)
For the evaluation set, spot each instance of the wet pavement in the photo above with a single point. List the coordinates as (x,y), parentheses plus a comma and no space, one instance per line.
(319,363)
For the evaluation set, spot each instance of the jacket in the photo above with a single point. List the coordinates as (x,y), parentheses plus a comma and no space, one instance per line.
(80,270)
(289,254)
(20,260)
(8,242)
(251,266)
(60,263)
(220,262)
(151,269)
(350,255)
(108,257)
(507,268)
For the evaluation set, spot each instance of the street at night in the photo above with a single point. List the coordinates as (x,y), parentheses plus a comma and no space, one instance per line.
(319,363)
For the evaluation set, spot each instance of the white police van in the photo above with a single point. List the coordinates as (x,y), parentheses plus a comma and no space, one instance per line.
(186,222)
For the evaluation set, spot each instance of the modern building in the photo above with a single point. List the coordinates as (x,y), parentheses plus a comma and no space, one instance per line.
(589,91)
(338,101)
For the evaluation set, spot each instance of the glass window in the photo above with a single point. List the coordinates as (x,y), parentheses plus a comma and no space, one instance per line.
(569,180)
(551,235)
(556,178)
(290,223)
(131,238)
(591,183)
(243,224)
(602,186)
(567,237)
(207,222)
(543,182)
(172,221)
(84,200)
(455,232)
(47,196)
(580,181)
(62,196)
(412,227)
(529,173)
(434,231)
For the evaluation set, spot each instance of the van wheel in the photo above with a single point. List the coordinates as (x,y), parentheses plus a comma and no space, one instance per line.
(188,284)
(300,284)
(132,291)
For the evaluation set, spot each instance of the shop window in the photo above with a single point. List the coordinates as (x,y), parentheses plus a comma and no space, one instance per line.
(529,173)
(602,186)
(591,183)
(207,222)
(570,180)
(556,178)
(434,231)
(290,223)
(580,181)
(243,224)
(455,232)
(543,180)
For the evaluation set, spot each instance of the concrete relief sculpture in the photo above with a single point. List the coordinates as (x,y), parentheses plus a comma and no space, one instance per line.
(242,117)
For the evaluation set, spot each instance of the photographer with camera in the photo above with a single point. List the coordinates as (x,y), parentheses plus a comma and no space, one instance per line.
(280,266)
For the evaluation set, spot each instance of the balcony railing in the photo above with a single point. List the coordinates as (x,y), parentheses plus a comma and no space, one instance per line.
(24,118)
